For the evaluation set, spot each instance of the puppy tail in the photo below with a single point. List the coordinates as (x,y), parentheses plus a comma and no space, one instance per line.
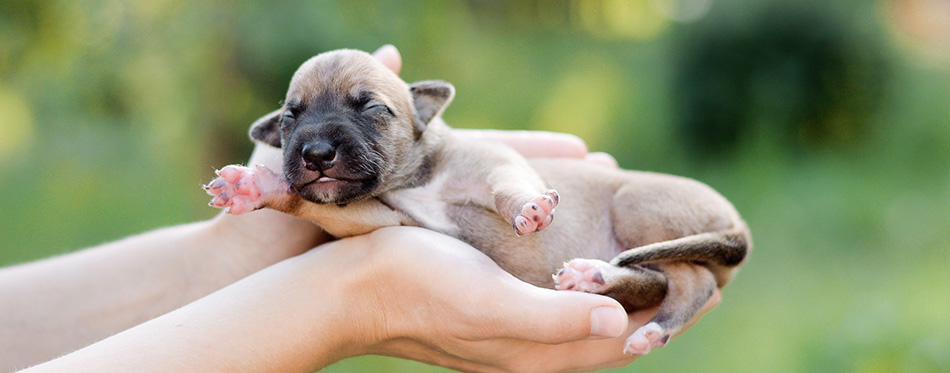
(728,248)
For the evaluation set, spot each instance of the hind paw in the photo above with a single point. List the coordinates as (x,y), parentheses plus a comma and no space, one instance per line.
(645,339)
(585,275)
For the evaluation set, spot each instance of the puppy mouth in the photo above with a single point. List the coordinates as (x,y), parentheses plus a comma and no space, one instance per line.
(328,189)
(352,175)
(327,180)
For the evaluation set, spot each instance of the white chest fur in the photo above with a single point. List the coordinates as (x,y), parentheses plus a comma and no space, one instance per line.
(426,204)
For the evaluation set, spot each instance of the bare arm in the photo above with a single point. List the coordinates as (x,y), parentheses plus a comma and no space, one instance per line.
(60,304)
(274,320)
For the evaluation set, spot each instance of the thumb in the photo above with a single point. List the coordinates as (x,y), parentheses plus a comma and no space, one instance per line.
(553,317)
(389,56)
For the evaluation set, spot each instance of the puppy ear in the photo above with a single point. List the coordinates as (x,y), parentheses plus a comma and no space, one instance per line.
(267,129)
(430,98)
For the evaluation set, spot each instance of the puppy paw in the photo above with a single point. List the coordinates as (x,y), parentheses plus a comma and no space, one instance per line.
(536,214)
(587,275)
(242,189)
(645,339)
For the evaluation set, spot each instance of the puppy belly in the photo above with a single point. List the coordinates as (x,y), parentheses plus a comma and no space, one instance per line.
(535,256)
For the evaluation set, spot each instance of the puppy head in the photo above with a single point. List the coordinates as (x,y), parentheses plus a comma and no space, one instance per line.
(349,127)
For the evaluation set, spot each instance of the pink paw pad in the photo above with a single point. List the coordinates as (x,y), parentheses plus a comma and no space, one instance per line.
(645,339)
(537,214)
(239,188)
(582,275)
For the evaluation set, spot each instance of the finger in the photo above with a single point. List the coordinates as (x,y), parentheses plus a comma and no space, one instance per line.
(389,56)
(595,354)
(603,159)
(268,156)
(551,317)
(533,144)
(425,353)
(590,354)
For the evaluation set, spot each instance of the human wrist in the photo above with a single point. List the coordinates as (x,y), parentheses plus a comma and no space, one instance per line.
(248,243)
(344,279)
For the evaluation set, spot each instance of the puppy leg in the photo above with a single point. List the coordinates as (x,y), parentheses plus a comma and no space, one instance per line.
(242,189)
(519,195)
(689,287)
(721,252)
(635,287)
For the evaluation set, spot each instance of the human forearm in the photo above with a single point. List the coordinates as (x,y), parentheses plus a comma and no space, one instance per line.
(60,304)
(298,315)
(57,305)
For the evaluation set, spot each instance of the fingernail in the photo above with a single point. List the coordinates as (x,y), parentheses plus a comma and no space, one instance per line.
(607,321)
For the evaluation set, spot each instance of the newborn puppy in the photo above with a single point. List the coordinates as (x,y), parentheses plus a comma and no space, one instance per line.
(364,150)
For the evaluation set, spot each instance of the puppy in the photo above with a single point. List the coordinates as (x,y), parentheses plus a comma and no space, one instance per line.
(364,150)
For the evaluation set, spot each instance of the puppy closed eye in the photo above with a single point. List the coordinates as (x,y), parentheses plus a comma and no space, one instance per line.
(287,120)
(376,108)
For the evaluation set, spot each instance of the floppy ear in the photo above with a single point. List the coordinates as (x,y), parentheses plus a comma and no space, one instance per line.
(430,98)
(267,129)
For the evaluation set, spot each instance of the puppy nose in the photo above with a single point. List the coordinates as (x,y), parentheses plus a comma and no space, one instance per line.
(318,156)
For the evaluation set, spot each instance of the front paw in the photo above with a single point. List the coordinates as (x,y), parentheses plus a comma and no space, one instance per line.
(242,189)
(536,214)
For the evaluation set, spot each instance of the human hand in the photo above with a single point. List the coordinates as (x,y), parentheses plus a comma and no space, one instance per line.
(438,300)
(541,144)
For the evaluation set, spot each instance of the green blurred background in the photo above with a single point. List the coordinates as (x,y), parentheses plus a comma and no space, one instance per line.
(826,123)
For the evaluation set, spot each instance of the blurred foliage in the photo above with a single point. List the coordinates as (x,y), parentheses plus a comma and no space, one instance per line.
(826,123)
(802,77)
